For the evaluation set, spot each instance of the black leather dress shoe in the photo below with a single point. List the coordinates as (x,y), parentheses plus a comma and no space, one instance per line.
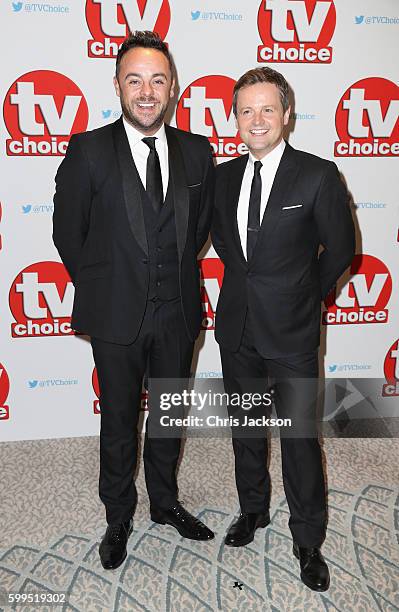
(243,530)
(113,545)
(314,570)
(186,524)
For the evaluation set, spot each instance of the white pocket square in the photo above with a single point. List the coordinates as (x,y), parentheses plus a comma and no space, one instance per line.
(289,207)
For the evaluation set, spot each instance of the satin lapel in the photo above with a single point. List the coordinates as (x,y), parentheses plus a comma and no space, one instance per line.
(237,170)
(285,177)
(130,185)
(178,183)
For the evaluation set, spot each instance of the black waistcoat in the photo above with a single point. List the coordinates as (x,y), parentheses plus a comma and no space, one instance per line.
(163,256)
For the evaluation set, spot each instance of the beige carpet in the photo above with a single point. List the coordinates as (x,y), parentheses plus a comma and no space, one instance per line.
(51,521)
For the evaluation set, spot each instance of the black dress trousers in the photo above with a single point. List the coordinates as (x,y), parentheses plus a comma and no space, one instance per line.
(295,396)
(163,350)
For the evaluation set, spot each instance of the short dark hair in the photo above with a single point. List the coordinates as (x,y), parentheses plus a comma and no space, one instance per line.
(146,39)
(262,75)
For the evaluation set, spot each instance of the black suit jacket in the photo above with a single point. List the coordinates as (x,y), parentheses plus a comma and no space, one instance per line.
(283,283)
(100,234)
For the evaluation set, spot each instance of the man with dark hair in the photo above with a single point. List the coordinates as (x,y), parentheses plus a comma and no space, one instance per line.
(132,210)
(145,40)
(275,208)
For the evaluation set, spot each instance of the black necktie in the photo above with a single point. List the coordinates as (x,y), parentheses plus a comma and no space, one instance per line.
(154,187)
(254,210)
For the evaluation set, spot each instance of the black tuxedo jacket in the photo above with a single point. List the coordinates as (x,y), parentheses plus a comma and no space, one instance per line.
(283,283)
(99,231)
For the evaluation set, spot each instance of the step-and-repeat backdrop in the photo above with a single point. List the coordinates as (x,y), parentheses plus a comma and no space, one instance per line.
(58,59)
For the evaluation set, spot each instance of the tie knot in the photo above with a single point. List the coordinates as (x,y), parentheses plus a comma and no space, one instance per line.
(150,142)
(257,166)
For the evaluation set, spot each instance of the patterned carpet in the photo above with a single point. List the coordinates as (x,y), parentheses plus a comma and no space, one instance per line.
(52,521)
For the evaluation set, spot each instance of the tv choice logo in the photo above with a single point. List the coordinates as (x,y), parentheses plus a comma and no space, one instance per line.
(296,31)
(42,109)
(96,388)
(110,22)
(364,298)
(205,107)
(211,273)
(391,371)
(4,391)
(41,300)
(366,119)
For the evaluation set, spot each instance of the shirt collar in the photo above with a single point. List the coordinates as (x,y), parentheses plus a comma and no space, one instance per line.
(134,136)
(270,158)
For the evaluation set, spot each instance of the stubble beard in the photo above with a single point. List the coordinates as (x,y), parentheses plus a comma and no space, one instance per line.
(145,128)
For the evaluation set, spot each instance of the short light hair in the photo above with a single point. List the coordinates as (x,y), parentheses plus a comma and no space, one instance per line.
(262,75)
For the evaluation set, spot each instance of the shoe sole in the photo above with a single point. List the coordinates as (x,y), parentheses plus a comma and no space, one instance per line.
(250,539)
(183,534)
(304,580)
(114,567)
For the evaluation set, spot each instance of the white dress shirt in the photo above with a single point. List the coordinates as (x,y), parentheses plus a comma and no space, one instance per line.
(268,171)
(140,152)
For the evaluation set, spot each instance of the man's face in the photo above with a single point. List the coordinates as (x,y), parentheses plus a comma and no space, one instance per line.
(260,117)
(145,86)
